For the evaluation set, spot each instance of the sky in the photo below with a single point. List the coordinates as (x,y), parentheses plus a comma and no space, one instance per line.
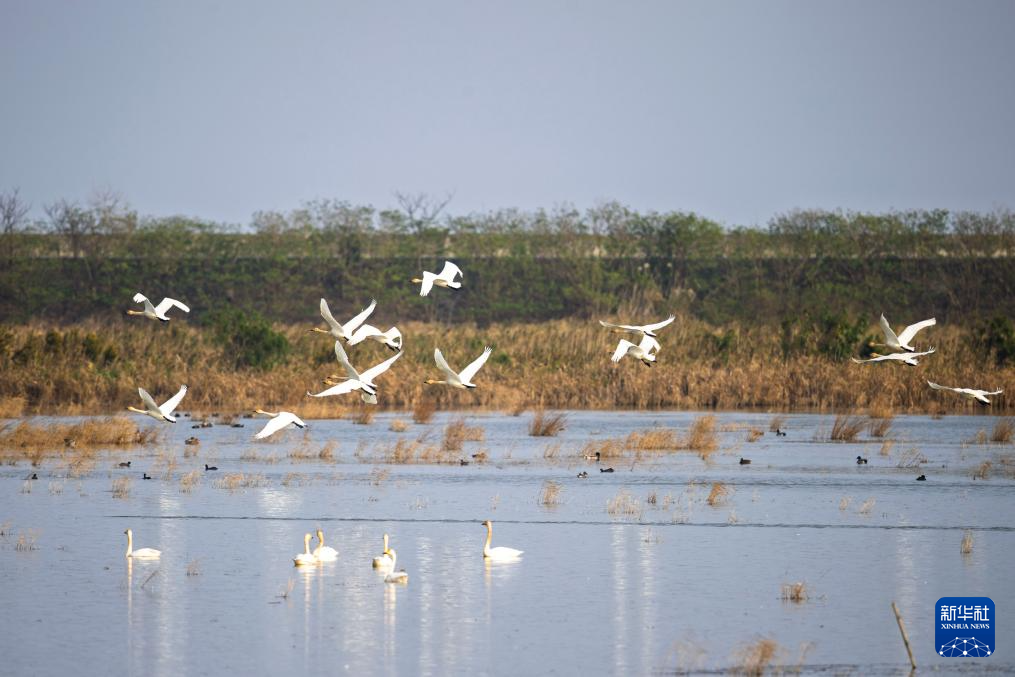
(735,110)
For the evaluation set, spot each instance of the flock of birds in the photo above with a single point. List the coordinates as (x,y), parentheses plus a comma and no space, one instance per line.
(356,331)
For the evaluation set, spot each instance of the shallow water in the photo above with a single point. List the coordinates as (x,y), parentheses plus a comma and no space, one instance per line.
(676,584)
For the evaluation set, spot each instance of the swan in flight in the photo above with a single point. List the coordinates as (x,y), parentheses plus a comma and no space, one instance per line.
(907,358)
(643,351)
(971,393)
(384,560)
(391,338)
(446,278)
(462,379)
(163,413)
(156,312)
(500,553)
(278,421)
(639,330)
(395,576)
(324,553)
(140,553)
(305,557)
(901,341)
(364,382)
(342,331)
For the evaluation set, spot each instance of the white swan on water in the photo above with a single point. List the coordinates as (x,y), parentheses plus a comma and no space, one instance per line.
(306,557)
(156,312)
(445,278)
(338,330)
(970,393)
(901,341)
(643,351)
(462,379)
(324,553)
(384,561)
(159,413)
(278,421)
(140,553)
(907,358)
(395,576)
(500,553)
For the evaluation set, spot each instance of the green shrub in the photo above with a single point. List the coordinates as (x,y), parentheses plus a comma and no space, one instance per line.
(248,338)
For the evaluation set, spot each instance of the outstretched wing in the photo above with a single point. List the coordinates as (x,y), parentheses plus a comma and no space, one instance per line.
(173,402)
(996,392)
(659,325)
(364,332)
(328,317)
(909,332)
(476,365)
(648,344)
(427,283)
(149,403)
(272,427)
(340,389)
(937,387)
(621,350)
(449,271)
(141,298)
(625,327)
(343,360)
(373,372)
(351,325)
(442,364)
(168,303)
(926,352)
(890,338)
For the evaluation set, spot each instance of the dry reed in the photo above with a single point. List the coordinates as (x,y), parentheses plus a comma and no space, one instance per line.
(549,495)
(910,458)
(879,427)
(423,410)
(545,424)
(624,505)
(982,471)
(867,506)
(844,502)
(756,658)
(755,434)
(886,448)
(778,422)
(702,437)
(194,567)
(1003,431)
(718,495)
(655,439)
(27,541)
(398,426)
(232,482)
(121,487)
(846,428)
(456,433)
(966,547)
(30,442)
(795,592)
(365,415)
(189,480)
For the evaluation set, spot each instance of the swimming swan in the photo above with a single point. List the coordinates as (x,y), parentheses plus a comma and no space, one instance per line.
(278,421)
(163,413)
(395,576)
(642,351)
(901,341)
(140,553)
(384,560)
(906,358)
(638,330)
(391,338)
(971,393)
(445,278)
(462,379)
(305,557)
(324,552)
(498,554)
(342,331)
(156,312)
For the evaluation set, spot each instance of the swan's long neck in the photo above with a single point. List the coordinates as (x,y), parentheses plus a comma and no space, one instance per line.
(433,382)
(135,312)
(266,413)
(489,537)
(385,545)
(392,555)
(130,543)
(320,331)
(306,544)
(137,411)
(416,280)
(320,537)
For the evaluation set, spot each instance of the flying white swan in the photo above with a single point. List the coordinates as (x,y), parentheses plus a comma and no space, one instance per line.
(364,382)
(971,393)
(342,331)
(907,358)
(324,553)
(278,421)
(640,330)
(395,576)
(391,338)
(305,557)
(163,413)
(140,553)
(901,341)
(462,379)
(498,554)
(384,560)
(446,278)
(643,351)
(156,312)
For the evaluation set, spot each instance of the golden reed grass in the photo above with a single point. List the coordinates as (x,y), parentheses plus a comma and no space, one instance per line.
(545,424)
(552,365)
(966,547)
(795,592)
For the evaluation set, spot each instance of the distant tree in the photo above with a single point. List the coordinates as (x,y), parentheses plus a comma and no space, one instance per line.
(12,217)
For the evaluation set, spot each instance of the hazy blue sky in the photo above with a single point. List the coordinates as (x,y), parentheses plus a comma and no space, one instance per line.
(737,110)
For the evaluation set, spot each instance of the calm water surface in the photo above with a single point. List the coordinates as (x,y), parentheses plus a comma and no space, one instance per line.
(662,583)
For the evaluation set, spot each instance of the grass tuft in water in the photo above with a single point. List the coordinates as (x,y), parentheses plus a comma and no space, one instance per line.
(966,547)
(545,424)
(1004,431)
(846,428)
(549,495)
(795,592)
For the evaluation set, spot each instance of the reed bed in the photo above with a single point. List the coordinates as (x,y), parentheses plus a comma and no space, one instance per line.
(365,415)
(846,428)
(880,426)
(456,433)
(545,424)
(554,365)
(233,482)
(114,431)
(1004,431)
(656,439)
